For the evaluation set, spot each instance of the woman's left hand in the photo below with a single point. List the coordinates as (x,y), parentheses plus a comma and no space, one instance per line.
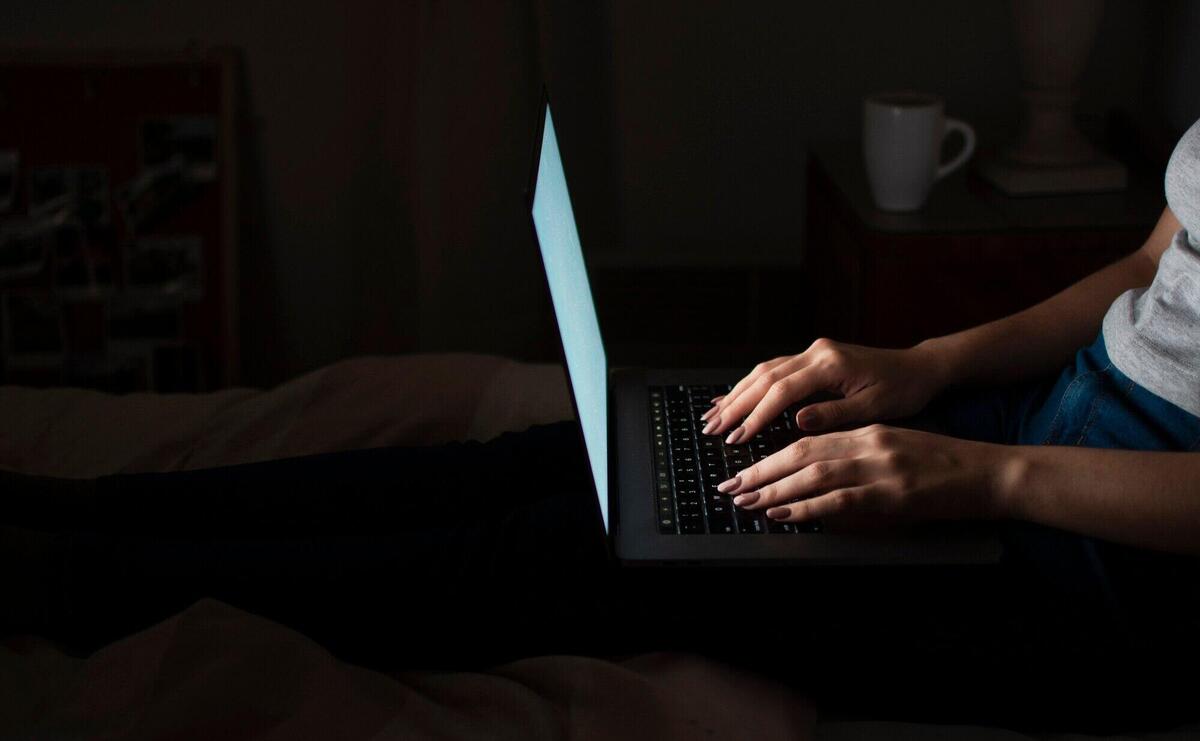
(876,471)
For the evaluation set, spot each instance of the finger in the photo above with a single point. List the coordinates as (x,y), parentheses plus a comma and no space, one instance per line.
(854,499)
(750,378)
(714,409)
(780,395)
(814,479)
(732,412)
(827,415)
(791,459)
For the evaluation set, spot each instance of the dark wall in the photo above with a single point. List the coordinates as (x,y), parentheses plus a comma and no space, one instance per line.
(1180,80)
(390,141)
(717,100)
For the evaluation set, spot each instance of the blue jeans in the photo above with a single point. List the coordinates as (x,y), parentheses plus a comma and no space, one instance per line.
(1090,404)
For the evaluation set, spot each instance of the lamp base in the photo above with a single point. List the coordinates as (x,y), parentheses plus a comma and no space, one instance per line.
(1017,179)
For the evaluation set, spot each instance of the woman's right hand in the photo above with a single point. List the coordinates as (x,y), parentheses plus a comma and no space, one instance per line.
(875,384)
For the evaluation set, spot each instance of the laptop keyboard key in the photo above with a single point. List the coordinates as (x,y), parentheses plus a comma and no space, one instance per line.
(721,525)
(720,508)
(750,523)
(688,465)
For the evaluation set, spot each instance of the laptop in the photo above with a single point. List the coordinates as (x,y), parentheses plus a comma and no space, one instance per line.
(654,474)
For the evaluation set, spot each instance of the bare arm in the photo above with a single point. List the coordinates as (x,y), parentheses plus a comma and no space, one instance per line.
(879,384)
(1139,498)
(1145,499)
(1042,338)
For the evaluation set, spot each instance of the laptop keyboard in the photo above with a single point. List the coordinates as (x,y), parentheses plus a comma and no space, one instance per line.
(688,466)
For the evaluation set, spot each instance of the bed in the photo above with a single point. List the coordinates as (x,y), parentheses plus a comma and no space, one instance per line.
(214,671)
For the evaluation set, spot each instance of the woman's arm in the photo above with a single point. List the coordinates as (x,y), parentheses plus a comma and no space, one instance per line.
(1139,498)
(879,384)
(1042,338)
(1145,499)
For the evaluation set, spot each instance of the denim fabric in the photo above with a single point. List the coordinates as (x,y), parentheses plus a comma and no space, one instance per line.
(1090,404)
(1095,405)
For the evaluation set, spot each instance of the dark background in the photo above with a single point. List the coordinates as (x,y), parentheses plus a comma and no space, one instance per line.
(388,144)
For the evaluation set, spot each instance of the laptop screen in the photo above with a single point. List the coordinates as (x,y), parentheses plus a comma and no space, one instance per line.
(562,256)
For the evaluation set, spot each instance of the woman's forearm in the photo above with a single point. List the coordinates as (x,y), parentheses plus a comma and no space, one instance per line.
(1145,499)
(1042,338)
(1038,340)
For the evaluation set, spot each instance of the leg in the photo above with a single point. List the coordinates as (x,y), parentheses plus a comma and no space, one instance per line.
(409,555)
(1056,565)
(1030,642)
(1103,622)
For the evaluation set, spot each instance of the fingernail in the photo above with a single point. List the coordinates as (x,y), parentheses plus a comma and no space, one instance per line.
(750,497)
(727,486)
(712,425)
(715,399)
(736,435)
(708,414)
(777,513)
(804,419)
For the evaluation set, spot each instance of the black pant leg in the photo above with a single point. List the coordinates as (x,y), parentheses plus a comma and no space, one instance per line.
(446,555)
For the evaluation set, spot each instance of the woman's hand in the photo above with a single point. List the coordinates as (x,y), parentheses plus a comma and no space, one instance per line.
(875,384)
(878,472)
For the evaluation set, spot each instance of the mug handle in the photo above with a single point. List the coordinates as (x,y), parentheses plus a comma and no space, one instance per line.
(960,159)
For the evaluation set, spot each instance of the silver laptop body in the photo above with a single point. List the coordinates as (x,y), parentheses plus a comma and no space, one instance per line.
(617,416)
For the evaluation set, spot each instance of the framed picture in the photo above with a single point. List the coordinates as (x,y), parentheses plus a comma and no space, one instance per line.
(26,246)
(165,268)
(122,245)
(78,193)
(33,327)
(190,140)
(140,318)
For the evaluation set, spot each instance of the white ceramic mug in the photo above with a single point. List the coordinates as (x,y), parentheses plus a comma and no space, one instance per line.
(902,144)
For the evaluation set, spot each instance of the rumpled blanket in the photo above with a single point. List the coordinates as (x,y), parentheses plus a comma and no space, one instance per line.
(215,672)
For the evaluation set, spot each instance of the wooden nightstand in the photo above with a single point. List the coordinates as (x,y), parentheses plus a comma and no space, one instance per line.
(969,256)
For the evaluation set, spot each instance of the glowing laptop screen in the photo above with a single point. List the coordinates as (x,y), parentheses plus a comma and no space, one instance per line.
(571,295)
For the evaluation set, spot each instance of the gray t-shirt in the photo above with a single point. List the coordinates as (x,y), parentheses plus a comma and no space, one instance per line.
(1153,334)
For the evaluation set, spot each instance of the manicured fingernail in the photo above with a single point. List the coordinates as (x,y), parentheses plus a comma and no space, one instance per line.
(727,486)
(778,513)
(749,497)
(804,419)
(708,414)
(736,435)
(715,399)
(712,425)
